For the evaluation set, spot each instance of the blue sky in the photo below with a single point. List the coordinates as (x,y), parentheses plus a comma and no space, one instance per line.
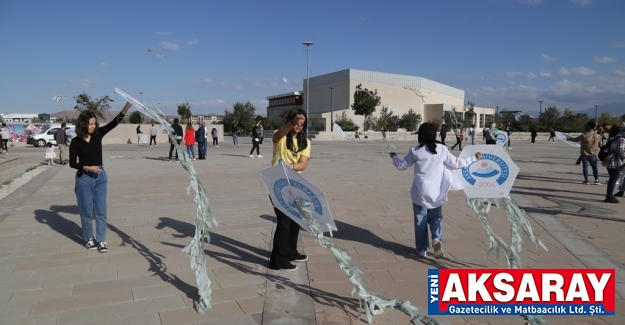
(506,53)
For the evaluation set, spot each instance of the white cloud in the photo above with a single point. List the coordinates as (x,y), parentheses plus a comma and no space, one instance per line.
(208,81)
(619,44)
(104,64)
(605,59)
(365,20)
(580,71)
(482,78)
(515,74)
(533,2)
(234,85)
(170,46)
(193,41)
(583,2)
(548,58)
(620,72)
(86,82)
(162,33)
(546,73)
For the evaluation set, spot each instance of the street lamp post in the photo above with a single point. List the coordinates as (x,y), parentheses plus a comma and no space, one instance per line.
(596,121)
(541,108)
(308,44)
(331,111)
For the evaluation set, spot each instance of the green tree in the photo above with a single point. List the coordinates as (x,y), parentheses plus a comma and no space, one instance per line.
(184,111)
(98,107)
(549,119)
(410,121)
(385,119)
(469,112)
(242,114)
(136,117)
(344,122)
(365,102)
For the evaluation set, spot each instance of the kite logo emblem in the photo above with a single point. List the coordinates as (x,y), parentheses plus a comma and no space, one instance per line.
(489,167)
(286,193)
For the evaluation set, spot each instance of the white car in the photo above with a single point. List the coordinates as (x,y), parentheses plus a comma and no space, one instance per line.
(47,135)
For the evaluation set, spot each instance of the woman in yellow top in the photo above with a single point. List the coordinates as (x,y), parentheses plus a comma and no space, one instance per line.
(291,144)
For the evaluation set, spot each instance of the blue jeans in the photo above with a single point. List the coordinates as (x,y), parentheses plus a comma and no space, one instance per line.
(200,149)
(622,186)
(235,139)
(423,217)
(90,192)
(191,151)
(613,174)
(205,145)
(473,141)
(593,163)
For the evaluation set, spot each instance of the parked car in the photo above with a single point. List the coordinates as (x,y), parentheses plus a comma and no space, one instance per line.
(47,135)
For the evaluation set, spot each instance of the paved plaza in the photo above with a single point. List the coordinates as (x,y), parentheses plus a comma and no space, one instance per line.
(47,277)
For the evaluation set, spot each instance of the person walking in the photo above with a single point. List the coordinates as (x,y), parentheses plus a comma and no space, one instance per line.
(490,135)
(552,136)
(4,131)
(589,149)
(443,133)
(50,155)
(215,136)
(614,161)
(200,138)
(458,135)
(189,140)
(139,134)
(153,135)
(85,155)
(235,136)
(178,137)
(472,134)
(255,142)
(533,134)
(292,147)
(61,139)
(433,179)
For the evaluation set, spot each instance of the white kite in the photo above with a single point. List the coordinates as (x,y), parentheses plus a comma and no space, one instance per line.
(58,98)
(565,138)
(159,54)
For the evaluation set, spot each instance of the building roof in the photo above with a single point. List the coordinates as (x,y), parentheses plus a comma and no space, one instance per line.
(386,78)
(295,93)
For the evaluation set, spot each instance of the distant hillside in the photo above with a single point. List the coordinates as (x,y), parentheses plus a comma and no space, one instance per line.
(614,109)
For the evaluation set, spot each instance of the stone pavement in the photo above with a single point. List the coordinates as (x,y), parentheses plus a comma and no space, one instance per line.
(46,277)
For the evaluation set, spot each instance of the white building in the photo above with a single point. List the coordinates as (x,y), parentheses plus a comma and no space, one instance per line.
(399,93)
(19,117)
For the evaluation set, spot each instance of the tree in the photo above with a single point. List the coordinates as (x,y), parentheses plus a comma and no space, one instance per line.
(242,114)
(184,110)
(549,118)
(365,102)
(469,112)
(387,120)
(410,121)
(98,107)
(136,117)
(345,122)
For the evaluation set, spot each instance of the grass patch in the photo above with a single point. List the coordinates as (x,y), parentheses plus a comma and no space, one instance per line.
(31,168)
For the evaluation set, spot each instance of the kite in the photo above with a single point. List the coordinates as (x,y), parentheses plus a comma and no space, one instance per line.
(159,54)
(58,98)
(416,92)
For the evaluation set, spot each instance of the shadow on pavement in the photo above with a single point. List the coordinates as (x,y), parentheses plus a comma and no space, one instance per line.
(59,224)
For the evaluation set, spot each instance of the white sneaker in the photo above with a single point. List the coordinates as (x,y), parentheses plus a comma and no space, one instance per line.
(438,249)
(422,254)
(259,156)
(217,146)
(194,159)
(251,156)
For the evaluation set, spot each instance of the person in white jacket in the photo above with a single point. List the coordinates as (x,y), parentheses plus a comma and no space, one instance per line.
(433,179)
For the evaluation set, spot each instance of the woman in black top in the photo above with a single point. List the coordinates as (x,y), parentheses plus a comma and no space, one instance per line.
(255,142)
(85,154)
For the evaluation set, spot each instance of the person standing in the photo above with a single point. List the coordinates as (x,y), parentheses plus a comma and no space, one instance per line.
(509,133)
(85,155)
(261,132)
(458,137)
(552,136)
(178,136)
(61,139)
(215,136)
(490,135)
(4,131)
(614,161)
(50,155)
(472,134)
(291,147)
(189,140)
(433,179)
(139,134)
(443,133)
(384,133)
(153,135)
(533,134)
(200,138)
(255,142)
(589,149)
(235,137)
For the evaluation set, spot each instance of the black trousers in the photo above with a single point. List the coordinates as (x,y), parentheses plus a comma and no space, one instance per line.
(257,146)
(533,139)
(172,146)
(152,137)
(284,241)
(458,143)
(443,140)
(4,144)
(491,141)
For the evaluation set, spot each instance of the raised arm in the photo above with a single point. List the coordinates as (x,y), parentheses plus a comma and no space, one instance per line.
(454,162)
(112,124)
(287,127)
(403,164)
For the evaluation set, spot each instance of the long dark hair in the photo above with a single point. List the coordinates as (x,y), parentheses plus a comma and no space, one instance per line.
(427,136)
(82,124)
(302,141)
